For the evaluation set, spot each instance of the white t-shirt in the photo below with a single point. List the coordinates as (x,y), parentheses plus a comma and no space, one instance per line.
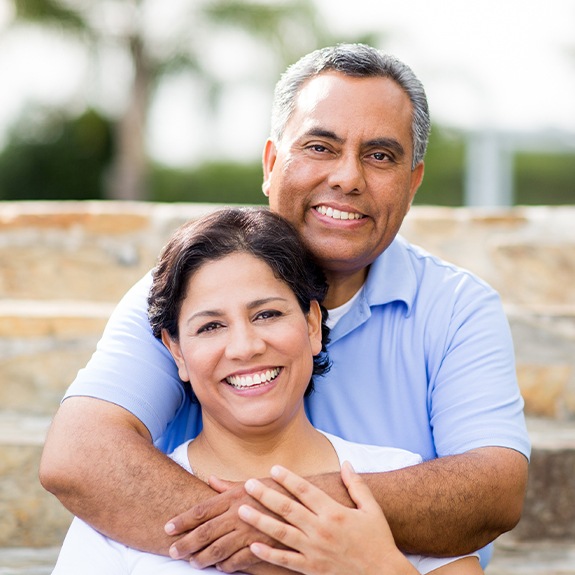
(88,552)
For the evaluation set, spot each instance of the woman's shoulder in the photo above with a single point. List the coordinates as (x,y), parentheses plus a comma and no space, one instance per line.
(180,455)
(372,458)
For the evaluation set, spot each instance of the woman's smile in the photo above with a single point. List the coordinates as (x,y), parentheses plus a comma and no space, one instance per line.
(258,379)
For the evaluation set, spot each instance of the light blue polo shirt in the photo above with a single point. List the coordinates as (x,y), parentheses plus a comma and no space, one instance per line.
(423,361)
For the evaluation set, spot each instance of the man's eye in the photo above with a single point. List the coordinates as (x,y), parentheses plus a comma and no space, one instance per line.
(381,156)
(318,148)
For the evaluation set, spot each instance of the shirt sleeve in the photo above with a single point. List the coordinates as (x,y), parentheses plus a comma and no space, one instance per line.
(132,368)
(474,397)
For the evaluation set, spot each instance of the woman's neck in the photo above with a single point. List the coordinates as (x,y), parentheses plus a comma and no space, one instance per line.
(238,456)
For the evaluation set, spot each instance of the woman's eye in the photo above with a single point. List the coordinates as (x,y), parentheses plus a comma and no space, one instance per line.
(267,314)
(209,327)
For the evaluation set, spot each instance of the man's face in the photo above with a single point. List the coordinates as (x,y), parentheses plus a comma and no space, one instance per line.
(341,173)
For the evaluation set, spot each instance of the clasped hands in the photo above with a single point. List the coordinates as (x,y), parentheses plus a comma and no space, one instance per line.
(285,524)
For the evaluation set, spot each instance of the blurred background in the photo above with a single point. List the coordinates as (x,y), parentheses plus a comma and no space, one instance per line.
(169,100)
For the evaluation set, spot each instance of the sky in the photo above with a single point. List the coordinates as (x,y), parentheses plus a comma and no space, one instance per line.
(500,64)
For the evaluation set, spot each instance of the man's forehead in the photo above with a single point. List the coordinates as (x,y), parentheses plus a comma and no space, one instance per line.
(331,83)
(333,96)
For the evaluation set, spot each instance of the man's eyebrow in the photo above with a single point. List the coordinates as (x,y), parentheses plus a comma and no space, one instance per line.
(322,133)
(389,143)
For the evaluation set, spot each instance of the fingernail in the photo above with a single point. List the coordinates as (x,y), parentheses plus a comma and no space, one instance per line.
(349,465)
(250,485)
(275,470)
(174,552)
(169,528)
(245,511)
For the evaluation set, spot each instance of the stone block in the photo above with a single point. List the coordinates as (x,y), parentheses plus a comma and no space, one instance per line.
(544,339)
(29,515)
(549,510)
(42,347)
(93,251)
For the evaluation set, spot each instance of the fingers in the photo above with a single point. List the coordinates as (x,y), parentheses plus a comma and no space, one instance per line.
(220,485)
(244,560)
(195,516)
(227,550)
(305,492)
(281,557)
(285,534)
(205,537)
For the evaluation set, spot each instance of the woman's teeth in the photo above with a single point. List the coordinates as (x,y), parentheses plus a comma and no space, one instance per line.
(244,381)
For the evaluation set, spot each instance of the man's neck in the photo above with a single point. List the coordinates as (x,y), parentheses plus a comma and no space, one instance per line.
(342,287)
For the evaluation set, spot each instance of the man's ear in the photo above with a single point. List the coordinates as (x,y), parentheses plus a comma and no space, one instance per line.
(174,348)
(314,327)
(416,179)
(269,159)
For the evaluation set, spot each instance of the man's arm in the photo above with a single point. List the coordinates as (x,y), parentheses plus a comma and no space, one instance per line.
(449,506)
(452,505)
(101,464)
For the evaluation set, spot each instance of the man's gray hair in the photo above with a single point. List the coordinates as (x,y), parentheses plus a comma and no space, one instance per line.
(360,61)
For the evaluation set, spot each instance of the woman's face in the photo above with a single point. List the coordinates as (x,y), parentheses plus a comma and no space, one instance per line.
(245,345)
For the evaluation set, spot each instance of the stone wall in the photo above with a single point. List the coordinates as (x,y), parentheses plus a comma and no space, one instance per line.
(64,265)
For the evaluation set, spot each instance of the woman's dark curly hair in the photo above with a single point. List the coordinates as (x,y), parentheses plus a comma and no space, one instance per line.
(256,231)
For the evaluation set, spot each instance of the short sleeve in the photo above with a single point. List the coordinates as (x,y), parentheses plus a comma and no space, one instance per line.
(132,368)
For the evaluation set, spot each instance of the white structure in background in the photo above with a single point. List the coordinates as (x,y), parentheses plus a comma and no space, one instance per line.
(489,161)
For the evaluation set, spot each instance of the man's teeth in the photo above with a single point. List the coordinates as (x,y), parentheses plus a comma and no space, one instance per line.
(241,381)
(338,214)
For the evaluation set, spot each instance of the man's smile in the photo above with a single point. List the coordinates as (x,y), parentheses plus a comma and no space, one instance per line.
(338,214)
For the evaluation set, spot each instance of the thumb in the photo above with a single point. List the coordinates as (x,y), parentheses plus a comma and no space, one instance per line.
(357,488)
(220,485)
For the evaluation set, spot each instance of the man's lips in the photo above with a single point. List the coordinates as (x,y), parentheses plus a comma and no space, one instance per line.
(251,380)
(336,214)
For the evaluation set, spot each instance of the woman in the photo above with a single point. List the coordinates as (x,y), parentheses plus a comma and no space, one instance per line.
(235,299)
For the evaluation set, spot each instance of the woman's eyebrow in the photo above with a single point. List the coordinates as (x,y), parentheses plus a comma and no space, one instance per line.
(265,301)
(207,313)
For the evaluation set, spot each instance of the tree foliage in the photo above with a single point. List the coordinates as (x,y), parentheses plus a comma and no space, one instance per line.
(51,157)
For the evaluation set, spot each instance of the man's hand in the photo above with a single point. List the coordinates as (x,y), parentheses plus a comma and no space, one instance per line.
(213,533)
(444,507)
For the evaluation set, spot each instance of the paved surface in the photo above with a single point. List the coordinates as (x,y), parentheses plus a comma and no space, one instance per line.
(509,559)
(532,558)
(28,561)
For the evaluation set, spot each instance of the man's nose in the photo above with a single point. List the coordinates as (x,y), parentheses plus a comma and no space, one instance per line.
(244,343)
(347,174)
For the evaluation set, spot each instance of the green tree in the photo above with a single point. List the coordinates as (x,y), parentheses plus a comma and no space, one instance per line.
(286,29)
(52,157)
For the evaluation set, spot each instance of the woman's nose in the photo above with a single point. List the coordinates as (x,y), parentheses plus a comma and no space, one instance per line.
(244,343)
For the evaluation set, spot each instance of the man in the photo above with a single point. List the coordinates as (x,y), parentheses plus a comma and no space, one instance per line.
(421,351)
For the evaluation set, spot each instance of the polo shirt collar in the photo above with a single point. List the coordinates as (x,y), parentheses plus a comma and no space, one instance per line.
(391,278)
